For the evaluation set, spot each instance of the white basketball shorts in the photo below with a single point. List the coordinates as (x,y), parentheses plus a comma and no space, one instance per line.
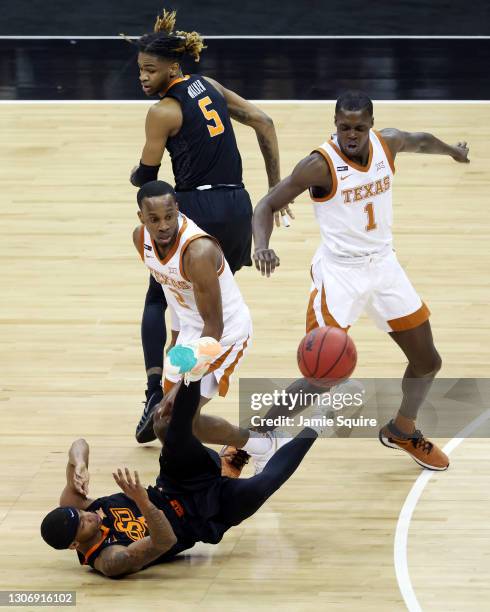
(342,290)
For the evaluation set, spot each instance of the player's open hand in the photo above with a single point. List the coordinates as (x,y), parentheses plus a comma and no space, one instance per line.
(132,488)
(81,478)
(266,261)
(461,151)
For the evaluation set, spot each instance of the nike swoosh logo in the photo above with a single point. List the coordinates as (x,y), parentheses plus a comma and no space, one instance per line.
(342,178)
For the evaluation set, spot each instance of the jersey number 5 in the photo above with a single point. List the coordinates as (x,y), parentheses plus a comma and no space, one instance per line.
(369,209)
(211,115)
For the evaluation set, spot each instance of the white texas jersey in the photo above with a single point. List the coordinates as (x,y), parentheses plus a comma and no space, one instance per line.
(355,218)
(179,290)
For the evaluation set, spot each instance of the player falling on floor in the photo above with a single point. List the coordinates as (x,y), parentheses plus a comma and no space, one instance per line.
(192,121)
(125,532)
(190,268)
(350,179)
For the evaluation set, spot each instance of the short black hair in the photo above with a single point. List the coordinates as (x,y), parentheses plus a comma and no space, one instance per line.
(353,100)
(154,188)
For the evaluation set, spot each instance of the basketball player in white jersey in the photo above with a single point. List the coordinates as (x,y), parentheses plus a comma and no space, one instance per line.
(355,269)
(204,300)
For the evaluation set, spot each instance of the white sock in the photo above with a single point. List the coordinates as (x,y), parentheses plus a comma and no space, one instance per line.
(258,444)
(321,413)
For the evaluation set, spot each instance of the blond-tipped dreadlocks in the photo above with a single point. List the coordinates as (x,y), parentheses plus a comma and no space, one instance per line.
(165,42)
(165,22)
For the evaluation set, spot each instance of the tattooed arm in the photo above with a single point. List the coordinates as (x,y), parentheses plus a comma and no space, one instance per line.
(118,560)
(245,112)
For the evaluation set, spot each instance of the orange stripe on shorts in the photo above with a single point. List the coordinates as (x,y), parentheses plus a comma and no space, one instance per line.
(311,321)
(224,382)
(410,321)
(168,385)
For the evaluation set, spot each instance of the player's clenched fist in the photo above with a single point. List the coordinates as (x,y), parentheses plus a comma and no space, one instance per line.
(461,151)
(81,479)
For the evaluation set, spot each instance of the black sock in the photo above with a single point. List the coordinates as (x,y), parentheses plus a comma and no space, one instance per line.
(154,383)
(153,333)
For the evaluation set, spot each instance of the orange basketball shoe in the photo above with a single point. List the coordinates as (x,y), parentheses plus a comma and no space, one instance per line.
(422,451)
(233,460)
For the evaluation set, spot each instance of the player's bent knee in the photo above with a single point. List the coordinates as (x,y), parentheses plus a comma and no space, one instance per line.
(428,367)
(437,363)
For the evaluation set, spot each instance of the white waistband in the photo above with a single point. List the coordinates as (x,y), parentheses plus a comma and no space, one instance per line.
(205,187)
(353,260)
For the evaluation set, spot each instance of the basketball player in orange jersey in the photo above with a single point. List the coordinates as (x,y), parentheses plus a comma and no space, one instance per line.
(192,121)
(350,182)
(200,289)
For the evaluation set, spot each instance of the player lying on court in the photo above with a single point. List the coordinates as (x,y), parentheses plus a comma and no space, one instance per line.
(350,180)
(191,502)
(205,301)
(193,122)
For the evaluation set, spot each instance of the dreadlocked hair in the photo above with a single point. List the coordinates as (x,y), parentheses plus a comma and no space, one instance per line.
(165,22)
(165,42)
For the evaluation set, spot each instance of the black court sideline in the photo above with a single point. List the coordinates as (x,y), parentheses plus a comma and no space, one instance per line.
(283,69)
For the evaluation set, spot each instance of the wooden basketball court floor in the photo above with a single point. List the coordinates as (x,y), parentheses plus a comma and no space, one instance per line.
(72,295)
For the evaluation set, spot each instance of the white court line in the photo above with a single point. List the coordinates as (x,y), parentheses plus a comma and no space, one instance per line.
(403,525)
(267,37)
(148,102)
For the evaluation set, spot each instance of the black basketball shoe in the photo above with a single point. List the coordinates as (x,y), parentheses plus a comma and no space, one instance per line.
(144,429)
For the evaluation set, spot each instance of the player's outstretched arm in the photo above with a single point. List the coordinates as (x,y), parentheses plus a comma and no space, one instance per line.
(77,477)
(423,142)
(312,171)
(119,560)
(162,120)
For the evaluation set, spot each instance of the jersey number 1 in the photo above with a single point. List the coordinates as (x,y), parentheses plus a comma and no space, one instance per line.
(211,115)
(369,209)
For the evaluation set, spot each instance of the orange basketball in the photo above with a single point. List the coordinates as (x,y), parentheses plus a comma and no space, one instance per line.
(327,354)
